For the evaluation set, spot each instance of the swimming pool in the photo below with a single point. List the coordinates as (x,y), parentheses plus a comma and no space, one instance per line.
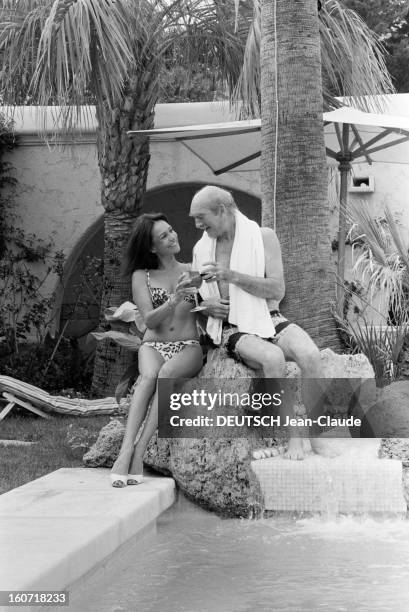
(192,560)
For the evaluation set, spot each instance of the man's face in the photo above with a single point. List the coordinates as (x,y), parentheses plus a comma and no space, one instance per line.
(206,219)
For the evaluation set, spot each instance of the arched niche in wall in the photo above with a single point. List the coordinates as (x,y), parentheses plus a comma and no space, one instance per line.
(173,200)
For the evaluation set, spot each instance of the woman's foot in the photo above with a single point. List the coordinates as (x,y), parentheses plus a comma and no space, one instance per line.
(118,481)
(134,479)
(136,470)
(121,466)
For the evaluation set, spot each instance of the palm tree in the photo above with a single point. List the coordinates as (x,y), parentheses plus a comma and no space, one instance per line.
(288,49)
(297,159)
(109,53)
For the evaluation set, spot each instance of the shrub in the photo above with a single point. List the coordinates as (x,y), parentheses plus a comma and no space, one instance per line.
(383,267)
(25,263)
(51,370)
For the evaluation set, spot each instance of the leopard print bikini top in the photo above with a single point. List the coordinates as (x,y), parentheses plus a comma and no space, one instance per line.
(159,296)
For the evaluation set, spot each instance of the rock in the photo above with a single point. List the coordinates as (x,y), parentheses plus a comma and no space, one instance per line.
(395,448)
(342,395)
(398,448)
(389,415)
(216,473)
(106,449)
(78,440)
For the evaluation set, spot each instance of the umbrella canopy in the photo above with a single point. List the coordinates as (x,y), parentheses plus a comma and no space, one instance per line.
(241,140)
(236,146)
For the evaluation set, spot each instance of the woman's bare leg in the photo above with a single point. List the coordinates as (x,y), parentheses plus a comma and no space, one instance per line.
(185,364)
(150,362)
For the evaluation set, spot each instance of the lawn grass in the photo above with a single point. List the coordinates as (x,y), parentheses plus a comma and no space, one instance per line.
(21,464)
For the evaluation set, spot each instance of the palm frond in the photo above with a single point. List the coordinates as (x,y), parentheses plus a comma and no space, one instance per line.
(83,47)
(56,52)
(382,262)
(399,237)
(203,32)
(352,58)
(128,341)
(381,344)
(351,55)
(20,31)
(247,87)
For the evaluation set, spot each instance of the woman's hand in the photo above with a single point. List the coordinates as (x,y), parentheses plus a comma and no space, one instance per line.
(183,288)
(193,277)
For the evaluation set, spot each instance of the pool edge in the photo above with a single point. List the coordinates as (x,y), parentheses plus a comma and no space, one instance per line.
(57,528)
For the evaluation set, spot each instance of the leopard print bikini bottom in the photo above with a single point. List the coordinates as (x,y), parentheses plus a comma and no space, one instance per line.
(167,350)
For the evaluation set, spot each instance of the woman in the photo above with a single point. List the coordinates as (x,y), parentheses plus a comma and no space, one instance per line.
(170,347)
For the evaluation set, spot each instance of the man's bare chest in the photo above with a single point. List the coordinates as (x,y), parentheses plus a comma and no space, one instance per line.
(223,253)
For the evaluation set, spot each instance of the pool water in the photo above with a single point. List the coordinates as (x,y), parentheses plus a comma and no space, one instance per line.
(192,560)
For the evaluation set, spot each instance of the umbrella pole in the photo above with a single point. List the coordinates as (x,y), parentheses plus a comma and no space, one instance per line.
(344,168)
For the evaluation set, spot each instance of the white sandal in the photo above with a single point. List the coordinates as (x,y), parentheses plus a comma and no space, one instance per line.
(134,479)
(118,481)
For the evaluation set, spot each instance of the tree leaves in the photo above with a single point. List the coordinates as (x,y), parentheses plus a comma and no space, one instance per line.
(128,341)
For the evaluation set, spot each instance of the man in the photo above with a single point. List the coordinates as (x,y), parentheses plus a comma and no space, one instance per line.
(237,256)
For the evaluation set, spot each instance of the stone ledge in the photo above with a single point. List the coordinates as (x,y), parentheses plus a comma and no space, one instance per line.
(56,528)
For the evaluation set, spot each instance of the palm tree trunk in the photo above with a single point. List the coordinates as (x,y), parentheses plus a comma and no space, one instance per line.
(123,164)
(110,360)
(302,208)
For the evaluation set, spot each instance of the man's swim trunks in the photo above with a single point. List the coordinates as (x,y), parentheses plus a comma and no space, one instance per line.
(231,337)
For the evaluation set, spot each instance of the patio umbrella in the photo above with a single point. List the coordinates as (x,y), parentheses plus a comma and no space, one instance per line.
(236,146)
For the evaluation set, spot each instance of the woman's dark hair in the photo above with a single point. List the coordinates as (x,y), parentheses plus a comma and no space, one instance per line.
(138,254)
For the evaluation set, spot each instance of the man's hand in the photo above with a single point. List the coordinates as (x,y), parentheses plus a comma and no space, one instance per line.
(216,307)
(212,271)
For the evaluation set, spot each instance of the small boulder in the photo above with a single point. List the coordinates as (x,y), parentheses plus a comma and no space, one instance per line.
(389,418)
(78,440)
(106,449)
(395,448)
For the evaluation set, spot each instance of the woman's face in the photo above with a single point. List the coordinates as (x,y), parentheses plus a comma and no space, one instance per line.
(164,239)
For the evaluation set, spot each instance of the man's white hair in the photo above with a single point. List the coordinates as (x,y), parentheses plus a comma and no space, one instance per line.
(215,197)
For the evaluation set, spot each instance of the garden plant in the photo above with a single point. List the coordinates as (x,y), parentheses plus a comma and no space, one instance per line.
(381,252)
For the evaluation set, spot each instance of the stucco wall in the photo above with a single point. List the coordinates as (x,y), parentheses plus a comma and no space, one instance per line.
(58,189)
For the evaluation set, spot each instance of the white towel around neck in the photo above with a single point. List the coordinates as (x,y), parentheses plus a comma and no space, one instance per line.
(249,313)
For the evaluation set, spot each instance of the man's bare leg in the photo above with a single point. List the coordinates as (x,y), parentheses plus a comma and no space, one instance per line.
(259,354)
(297,345)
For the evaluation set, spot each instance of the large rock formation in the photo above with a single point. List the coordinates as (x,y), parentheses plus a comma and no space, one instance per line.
(389,415)
(216,473)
